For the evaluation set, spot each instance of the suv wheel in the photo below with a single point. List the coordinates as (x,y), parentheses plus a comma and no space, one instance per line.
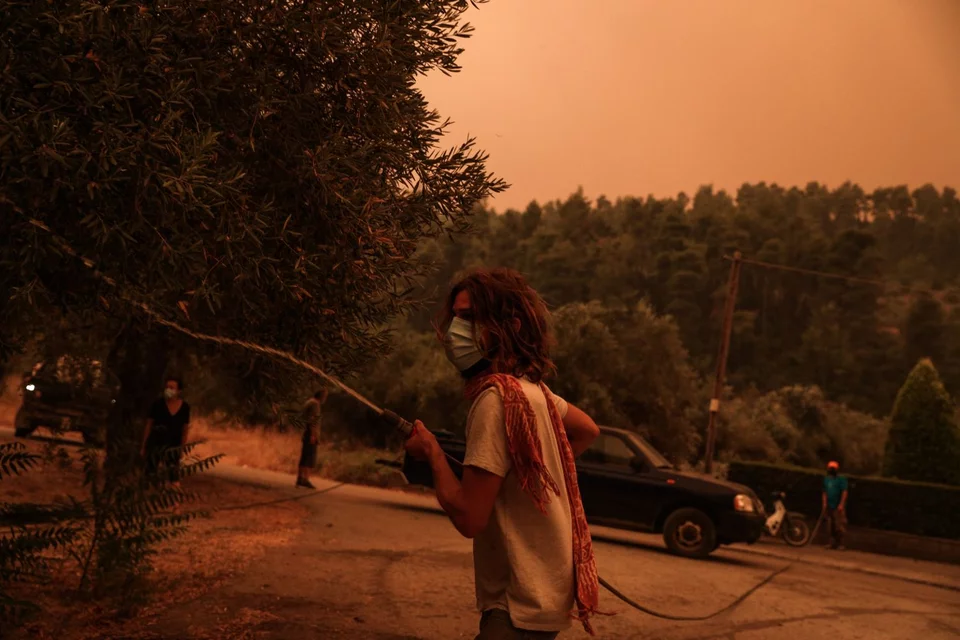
(690,533)
(22,426)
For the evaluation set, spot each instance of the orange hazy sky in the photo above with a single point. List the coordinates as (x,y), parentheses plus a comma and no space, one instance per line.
(637,97)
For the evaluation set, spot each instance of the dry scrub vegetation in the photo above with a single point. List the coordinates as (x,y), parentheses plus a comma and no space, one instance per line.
(212,550)
(263,448)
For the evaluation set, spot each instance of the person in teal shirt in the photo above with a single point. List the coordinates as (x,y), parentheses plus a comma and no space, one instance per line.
(835,504)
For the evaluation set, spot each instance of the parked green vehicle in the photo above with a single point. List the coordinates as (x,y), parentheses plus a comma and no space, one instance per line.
(67,394)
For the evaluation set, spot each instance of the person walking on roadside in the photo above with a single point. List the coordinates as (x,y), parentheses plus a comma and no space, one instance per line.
(311,438)
(168,424)
(835,504)
(518,499)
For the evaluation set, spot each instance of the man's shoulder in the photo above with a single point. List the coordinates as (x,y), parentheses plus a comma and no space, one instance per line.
(487,400)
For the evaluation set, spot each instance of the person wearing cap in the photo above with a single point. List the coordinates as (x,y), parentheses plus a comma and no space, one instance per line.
(835,504)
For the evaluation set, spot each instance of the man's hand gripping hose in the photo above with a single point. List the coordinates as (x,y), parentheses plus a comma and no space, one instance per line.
(389,417)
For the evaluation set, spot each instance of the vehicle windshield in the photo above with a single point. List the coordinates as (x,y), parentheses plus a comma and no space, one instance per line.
(655,457)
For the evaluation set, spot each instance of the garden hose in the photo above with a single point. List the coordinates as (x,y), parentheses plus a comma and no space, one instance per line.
(391,418)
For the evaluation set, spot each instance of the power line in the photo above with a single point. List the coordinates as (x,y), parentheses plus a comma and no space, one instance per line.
(828,274)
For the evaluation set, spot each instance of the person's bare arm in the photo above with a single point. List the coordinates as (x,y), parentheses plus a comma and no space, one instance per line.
(581,429)
(843,500)
(469,503)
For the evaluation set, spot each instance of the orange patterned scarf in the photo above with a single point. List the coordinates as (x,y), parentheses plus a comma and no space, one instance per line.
(526,455)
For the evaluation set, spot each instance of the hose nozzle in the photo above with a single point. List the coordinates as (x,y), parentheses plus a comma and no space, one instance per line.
(392,419)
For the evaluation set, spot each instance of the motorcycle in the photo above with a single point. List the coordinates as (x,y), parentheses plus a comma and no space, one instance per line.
(790,525)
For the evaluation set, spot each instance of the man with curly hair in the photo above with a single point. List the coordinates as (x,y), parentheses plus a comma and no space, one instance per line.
(518,498)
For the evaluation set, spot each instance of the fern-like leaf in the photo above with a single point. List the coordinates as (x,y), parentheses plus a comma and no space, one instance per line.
(15,459)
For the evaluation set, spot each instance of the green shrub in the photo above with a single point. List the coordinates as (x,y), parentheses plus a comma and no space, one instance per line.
(799,425)
(876,503)
(924,442)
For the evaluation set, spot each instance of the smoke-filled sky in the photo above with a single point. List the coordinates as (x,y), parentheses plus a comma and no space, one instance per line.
(638,97)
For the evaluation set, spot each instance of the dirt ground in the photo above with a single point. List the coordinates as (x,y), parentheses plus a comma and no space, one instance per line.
(367,563)
(374,564)
(212,552)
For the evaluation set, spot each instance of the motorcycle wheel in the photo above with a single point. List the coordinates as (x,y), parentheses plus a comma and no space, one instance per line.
(796,532)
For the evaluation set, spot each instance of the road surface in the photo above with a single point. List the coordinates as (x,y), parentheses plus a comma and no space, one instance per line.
(385,565)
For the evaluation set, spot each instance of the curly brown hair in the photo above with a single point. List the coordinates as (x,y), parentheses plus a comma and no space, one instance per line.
(511,320)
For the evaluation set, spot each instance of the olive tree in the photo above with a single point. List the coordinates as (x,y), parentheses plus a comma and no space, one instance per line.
(255,169)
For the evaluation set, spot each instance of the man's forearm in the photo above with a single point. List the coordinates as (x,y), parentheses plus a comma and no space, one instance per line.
(843,500)
(449,490)
(580,442)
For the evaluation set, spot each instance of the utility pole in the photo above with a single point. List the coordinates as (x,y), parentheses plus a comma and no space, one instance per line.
(730,305)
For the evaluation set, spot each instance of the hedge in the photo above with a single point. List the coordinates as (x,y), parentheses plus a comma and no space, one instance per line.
(877,503)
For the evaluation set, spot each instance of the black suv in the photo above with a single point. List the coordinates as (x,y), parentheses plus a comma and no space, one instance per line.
(67,394)
(626,483)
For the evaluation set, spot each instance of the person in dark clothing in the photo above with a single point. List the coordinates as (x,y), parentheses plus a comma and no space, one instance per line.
(311,438)
(167,427)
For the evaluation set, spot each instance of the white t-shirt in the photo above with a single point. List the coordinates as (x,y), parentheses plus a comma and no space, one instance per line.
(523,560)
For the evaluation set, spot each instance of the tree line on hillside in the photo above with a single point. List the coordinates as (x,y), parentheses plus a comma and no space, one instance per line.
(857,341)
(637,286)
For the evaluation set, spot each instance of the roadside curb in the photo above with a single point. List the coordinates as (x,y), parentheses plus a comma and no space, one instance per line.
(852,567)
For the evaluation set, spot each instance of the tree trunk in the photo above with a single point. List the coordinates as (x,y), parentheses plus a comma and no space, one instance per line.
(139,358)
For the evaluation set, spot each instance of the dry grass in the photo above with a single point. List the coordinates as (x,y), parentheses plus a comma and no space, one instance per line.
(246,446)
(210,552)
(266,449)
(256,447)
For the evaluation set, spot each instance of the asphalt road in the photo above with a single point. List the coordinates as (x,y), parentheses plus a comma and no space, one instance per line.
(385,565)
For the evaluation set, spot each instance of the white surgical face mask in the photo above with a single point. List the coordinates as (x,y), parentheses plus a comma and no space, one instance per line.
(460,345)
(170,394)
